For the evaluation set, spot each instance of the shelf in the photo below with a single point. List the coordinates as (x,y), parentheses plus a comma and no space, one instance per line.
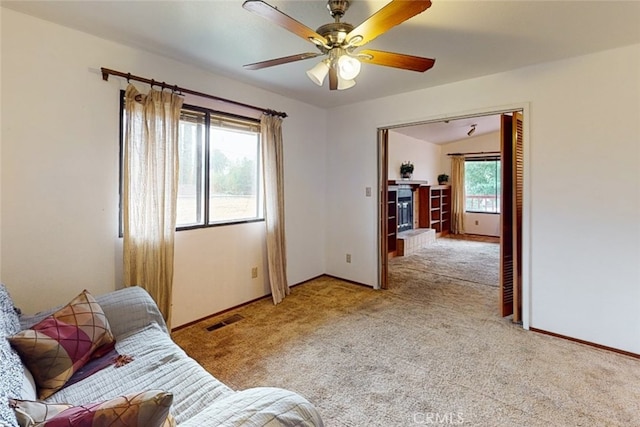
(392,226)
(435,210)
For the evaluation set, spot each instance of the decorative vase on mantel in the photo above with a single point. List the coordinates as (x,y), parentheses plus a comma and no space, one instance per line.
(407,175)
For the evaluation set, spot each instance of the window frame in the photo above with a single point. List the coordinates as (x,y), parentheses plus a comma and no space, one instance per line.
(493,158)
(206,223)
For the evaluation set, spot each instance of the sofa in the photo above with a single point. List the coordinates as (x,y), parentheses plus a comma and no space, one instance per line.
(154,362)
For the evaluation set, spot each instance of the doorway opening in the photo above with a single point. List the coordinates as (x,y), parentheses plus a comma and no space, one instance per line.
(489,146)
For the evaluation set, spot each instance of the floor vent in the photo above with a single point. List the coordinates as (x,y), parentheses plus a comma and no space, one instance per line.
(229,320)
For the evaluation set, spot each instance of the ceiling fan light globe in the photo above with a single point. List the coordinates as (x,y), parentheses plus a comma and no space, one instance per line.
(345,84)
(348,67)
(318,73)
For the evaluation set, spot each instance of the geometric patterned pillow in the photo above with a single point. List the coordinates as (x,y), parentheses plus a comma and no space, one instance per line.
(31,413)
(62,343)
(147,409)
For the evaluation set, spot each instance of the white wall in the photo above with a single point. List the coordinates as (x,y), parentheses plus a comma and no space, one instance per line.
(60,176)
(485,142)
(482,224)
(487,224)
(582,234)
(1,127)
(424,155)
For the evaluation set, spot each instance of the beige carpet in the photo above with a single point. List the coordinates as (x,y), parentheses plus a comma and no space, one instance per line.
(430,350)
(468,260)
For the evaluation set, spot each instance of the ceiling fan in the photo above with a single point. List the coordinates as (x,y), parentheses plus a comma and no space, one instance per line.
(339,40)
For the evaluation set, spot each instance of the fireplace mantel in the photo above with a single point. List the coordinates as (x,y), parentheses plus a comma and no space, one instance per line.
(414,184)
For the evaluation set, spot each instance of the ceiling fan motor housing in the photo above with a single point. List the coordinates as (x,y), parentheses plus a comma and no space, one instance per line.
(335,33)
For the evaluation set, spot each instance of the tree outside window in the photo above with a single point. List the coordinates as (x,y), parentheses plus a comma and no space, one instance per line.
(482,185)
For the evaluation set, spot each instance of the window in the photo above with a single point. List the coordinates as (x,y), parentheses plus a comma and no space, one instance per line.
(482,184)
(220,176)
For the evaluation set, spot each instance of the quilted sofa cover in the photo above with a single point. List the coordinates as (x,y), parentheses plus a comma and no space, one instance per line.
(199,398)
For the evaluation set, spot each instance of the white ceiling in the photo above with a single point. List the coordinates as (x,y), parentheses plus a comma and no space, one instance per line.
(444,132)
(467,38)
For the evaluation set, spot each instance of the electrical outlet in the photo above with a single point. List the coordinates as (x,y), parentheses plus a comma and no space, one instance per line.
(348,258)
(367,192)
(254,272)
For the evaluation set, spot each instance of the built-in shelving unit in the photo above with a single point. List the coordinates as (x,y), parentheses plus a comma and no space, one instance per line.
(435,208)
(392,220)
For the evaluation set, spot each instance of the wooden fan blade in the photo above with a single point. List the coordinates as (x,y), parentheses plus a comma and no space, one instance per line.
(285,21)
(333,78)
(389,16)
(396,60)
(278,61)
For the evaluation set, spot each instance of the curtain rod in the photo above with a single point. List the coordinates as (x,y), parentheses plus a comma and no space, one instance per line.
(473,154)
(106,72)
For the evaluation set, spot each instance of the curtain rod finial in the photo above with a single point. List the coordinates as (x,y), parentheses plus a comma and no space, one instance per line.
(270,112)
(105,74)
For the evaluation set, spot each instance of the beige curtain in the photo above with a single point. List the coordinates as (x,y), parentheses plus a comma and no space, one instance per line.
(457,194)
(150,181)
(273,164)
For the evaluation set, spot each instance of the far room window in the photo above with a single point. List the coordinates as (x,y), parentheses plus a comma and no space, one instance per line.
(220,177)
(482,184)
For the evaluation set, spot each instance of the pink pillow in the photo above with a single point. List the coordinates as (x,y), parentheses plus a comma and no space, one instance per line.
(62,343)
(146,409)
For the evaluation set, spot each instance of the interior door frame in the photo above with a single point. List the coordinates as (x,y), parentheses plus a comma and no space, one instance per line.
(382,166)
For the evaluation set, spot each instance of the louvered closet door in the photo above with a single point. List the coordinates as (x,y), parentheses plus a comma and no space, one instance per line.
(383,185)
(518,175)
(506,216)
(512,154)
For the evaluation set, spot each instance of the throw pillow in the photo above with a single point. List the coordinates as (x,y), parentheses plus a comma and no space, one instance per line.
(147,409)
(29,390)
(62,343)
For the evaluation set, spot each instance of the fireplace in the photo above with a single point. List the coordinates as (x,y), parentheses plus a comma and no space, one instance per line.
(405,208)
